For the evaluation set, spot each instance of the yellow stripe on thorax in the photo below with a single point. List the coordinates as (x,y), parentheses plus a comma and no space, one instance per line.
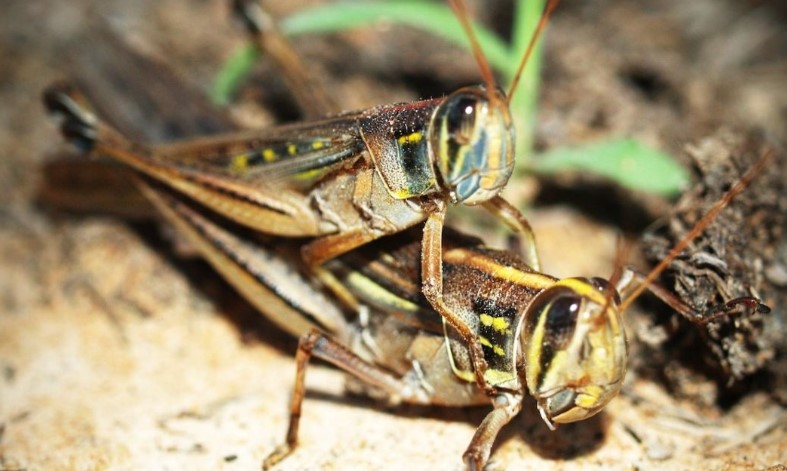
(486,265)
(412,138)
(497,349)
(499,324)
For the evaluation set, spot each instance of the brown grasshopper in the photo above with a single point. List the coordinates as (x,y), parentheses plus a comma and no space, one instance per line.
(346,179)
(560,339)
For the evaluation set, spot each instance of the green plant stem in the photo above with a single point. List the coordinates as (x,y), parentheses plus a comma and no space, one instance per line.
(235,70)
(655,171)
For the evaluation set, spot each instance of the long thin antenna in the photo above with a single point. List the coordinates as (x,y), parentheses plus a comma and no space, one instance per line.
(621,254)
(699,227)
(463,15)
(548,8)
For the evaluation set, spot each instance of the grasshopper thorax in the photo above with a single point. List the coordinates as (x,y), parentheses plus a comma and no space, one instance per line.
(574,349)
(472,141)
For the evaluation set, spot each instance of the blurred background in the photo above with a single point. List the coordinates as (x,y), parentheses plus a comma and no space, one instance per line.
(116,353)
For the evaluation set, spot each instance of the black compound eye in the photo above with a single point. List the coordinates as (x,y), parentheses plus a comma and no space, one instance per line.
(557,308)
(460,119)
(561,319)
(550,327)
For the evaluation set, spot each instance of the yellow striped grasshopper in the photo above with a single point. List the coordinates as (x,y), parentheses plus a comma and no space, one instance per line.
(560,339)
(346,179)
(563,340)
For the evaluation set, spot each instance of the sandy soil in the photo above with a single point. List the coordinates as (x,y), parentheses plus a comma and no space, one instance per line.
(118,354)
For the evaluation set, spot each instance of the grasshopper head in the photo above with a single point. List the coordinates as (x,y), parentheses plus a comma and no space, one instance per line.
(575,349)
(472,141)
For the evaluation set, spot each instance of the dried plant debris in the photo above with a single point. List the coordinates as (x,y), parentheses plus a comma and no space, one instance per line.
(742,253)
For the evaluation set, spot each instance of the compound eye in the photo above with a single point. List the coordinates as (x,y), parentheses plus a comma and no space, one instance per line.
(561,320)
(550,325)
(575,351)
(461,118)
(472,146)
(460,144)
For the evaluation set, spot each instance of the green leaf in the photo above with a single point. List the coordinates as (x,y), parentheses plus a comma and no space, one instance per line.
(626,161)
(428,16)
(524,103)
(234,71)
(435,18)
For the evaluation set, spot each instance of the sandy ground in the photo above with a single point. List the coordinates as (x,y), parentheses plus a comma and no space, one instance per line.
(117,354)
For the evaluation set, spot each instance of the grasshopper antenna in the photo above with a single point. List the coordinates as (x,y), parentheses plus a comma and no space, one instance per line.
(621,255)
(463,15)
(698,228)
(548,9)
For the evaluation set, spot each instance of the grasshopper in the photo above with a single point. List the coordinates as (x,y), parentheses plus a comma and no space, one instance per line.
(561,340)
(345,179)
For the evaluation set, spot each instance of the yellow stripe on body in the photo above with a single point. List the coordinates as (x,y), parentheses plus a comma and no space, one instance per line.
(491,375)
(269,155)
(494,376)
(412,138)
(240,163)
(495,348)
(584,289)
(533,280)
(309,174)
(533,353)
(380,294)
(499,324)
(465,375)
